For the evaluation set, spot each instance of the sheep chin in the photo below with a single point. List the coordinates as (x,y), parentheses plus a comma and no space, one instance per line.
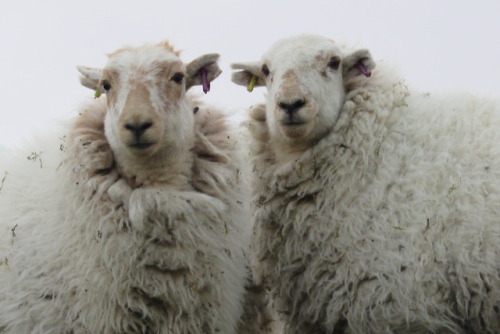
(142,150)
(296,131)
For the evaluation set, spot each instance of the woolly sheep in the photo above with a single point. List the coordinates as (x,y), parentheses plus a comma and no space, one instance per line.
(150,239)
(376,208)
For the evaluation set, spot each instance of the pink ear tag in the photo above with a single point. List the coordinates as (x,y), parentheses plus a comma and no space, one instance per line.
(204,81)
(363,69)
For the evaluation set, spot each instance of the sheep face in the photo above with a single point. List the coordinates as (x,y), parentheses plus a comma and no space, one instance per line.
(305,77)
(305,91)
(145,89)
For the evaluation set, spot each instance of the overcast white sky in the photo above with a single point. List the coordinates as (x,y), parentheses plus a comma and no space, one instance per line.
(438,45)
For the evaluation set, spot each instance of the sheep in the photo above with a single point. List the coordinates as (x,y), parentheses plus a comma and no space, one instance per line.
(136,222)
(376,207)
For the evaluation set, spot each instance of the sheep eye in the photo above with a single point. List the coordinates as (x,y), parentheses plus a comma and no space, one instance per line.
(106,85)
(265,70)
(334,63)
(177,77)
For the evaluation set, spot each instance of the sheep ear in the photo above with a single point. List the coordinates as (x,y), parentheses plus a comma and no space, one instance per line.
(357,63)
(202,71)
(247,73)
(89,76)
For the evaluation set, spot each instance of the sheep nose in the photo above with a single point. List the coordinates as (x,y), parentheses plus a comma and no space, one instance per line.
(293,107)
(138,128)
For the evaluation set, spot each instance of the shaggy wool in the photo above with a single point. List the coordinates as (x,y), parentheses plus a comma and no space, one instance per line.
(388,224)
(72,261)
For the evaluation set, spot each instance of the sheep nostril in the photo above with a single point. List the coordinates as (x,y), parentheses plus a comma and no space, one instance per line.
(138,128)
(291,108)
(299,103)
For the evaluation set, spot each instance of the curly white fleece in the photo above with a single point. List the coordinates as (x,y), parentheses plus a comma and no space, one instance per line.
(390,223)
(72,260)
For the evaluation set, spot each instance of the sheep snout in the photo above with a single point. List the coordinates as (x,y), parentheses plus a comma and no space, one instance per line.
(138,129)
(291,108)
(295,115)
(140,132)
(140,135)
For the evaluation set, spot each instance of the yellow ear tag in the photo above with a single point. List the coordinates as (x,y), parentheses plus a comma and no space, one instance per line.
(97,93)
(251,84)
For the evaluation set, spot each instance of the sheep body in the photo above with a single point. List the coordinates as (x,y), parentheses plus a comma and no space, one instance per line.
(387,224)
(95,253)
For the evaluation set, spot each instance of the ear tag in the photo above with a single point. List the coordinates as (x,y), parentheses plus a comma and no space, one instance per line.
(251,84)
(363,69)
(97,93)
(204,81)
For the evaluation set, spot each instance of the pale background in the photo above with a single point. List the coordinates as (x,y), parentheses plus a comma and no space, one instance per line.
(438,45)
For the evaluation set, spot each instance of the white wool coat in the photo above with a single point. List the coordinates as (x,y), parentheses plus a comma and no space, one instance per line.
(388,224)
(73,261)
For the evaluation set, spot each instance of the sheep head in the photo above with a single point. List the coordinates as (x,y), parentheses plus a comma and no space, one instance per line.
(306,79)
(145,89)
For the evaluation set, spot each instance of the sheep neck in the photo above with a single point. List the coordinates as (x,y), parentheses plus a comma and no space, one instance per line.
(165,169)
(286,150)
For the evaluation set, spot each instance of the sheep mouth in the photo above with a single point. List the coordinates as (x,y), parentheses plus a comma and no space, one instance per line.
(140,146)
(292,122)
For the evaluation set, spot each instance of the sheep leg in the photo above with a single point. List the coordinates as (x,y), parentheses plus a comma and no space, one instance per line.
(119,192)
(182,250)
(147,205)
(174,224)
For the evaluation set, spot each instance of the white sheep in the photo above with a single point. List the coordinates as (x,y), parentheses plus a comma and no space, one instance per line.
(377,209)
(148,239)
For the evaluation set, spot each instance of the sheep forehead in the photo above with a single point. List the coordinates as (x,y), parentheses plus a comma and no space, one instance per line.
(141,72)
(300,51)
(143,60)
